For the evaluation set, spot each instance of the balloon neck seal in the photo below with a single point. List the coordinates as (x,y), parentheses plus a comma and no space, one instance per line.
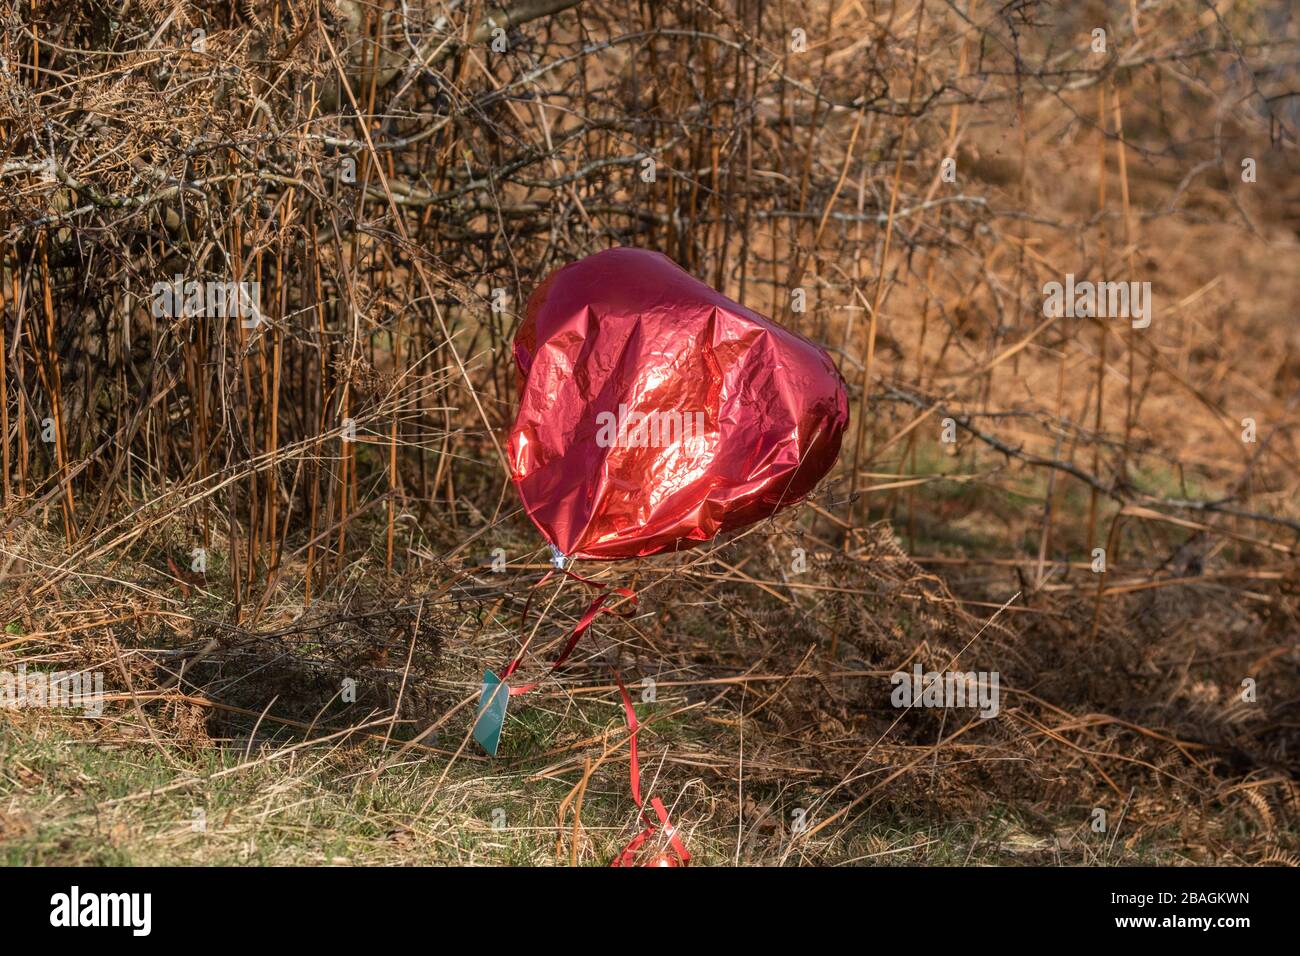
(559,558)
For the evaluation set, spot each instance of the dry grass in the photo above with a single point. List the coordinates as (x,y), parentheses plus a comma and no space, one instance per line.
(130,440)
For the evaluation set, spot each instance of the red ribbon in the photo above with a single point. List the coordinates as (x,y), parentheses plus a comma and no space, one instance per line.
(628,856)
(597,607)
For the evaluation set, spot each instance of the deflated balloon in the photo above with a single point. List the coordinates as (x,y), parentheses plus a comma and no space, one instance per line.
(656,413)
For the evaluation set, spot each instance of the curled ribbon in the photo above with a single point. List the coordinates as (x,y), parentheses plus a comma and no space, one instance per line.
(628,856)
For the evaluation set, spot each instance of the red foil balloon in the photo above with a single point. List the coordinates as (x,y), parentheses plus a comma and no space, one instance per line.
(655,413)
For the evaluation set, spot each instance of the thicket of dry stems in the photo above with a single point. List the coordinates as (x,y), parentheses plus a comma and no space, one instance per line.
(135,149)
